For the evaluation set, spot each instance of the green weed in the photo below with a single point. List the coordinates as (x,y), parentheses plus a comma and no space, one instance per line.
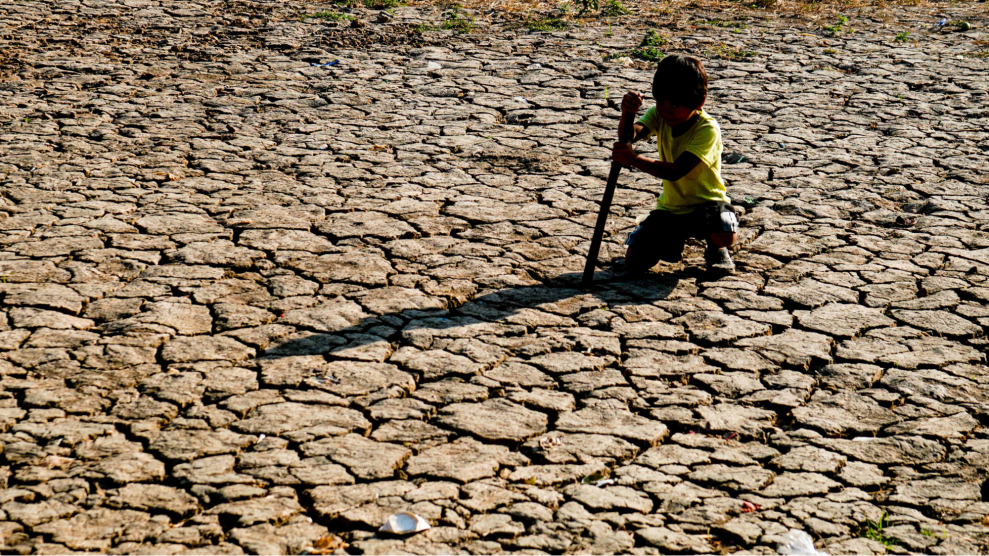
(978,54)
(27,120)
(839,27)
(383,4)
(934,534)
(648,54)
(874,530)
(585,6)
(565,8)
(546,25)
(454,19)
(726,52)
(371,4)
(648,49)
(329,16)
(902,37)
(654,39)
(723,23)
(614,8)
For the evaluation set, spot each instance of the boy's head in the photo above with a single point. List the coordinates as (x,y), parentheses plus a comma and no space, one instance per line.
(681,81)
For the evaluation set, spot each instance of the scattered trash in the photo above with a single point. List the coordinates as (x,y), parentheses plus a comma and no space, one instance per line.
(748,202)
(323,147)
(328,544)
(595,477)
(749,507)
(535,67)
(520,99)
(326,65)
(798,543)
(550,442)
(905,221)
(433,66)
(380,148)
(963,25)
(939,25)
(404,523)
(261,437)
(732,158)
(604,482)
(333,379)
(625,61)
(731,435)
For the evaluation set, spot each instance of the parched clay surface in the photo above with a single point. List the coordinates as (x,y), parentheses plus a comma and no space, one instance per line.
(248,301)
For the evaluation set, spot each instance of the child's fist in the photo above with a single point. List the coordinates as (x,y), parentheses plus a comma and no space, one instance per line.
(623,154)
(631,102)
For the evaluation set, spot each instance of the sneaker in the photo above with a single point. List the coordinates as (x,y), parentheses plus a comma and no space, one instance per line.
(719,261)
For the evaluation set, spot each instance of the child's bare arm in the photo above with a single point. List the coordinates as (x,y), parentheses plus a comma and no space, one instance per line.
(685,163)
(641,132)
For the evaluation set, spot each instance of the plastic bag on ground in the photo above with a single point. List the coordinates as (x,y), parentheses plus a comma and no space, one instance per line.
(404,523)
(798,543)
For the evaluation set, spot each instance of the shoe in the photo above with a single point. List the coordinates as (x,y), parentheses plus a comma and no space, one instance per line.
(719,261)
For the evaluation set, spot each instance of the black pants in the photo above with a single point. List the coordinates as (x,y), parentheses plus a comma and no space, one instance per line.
(662,236)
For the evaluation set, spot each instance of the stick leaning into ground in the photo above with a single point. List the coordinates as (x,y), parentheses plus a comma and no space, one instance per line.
(625,130)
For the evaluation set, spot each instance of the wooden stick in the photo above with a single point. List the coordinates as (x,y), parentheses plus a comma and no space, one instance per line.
(624,136)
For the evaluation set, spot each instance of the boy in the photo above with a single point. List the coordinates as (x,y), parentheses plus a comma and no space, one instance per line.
(694,202)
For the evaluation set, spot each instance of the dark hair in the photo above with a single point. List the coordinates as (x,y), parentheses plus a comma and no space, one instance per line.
(681,80)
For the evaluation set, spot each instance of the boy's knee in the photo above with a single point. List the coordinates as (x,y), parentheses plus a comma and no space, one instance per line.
(724,239)
(641,258)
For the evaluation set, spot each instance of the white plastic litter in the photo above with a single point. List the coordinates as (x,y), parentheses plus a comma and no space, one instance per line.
(520,99)
(433,66)
(550,442)
(798,543)
(404,523)
(604,482)
(625,61)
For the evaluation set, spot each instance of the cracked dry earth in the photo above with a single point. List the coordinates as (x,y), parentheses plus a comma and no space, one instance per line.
(248,303)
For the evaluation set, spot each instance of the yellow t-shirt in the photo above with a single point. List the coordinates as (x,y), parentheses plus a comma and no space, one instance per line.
(704,182)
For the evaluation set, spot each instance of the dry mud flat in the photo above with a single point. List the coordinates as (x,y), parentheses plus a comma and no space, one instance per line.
(248,302)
